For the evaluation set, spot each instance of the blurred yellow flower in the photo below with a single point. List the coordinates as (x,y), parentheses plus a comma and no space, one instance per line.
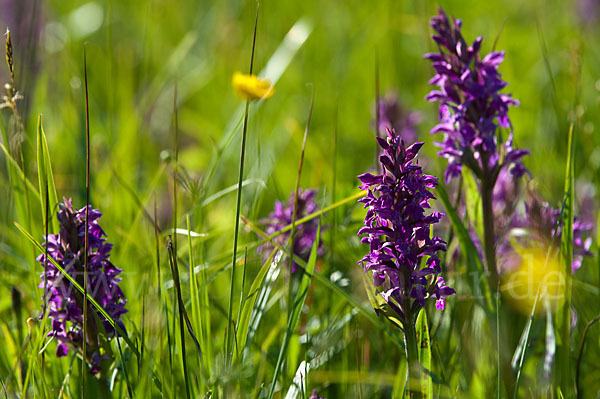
(250,87)
(521,285)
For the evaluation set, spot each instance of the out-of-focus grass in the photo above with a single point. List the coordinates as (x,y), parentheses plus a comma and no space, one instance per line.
(136,52)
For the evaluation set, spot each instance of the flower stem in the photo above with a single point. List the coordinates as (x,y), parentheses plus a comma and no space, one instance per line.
(489,235)
(413,382)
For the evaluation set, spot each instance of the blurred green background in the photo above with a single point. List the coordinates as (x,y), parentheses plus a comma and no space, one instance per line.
(138,51)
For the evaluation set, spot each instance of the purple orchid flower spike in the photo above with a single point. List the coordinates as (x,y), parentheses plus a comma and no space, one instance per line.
(65,302)
(471,107)
(305,232)
(403,253)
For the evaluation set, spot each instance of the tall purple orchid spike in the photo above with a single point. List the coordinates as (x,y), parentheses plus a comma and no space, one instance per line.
(471,107)
(65,302)
(305,232)
(398,231)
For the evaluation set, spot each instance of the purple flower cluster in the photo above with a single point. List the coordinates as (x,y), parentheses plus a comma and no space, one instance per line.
(315,395)
(398,230)
(539,222)
(395,117)
(471,107)
(305,233)
(65,302)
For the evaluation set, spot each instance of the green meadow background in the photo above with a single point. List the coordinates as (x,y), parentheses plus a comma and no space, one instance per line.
(138,52)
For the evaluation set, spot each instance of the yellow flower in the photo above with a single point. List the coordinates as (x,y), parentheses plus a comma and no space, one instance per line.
(534,273)
(250,87)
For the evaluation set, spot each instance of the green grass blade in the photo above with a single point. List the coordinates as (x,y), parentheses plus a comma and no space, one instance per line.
(244,319)
(563,315)
(473,201)
(13,165)
(45,175)
(294,317)
(424,345)
(477,275)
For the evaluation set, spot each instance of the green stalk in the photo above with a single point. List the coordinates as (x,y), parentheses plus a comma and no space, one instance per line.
(228,352)
(86,238)
(413,380)
(489,235)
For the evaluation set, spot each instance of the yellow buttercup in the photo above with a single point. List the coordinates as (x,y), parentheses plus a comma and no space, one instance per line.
(250,87)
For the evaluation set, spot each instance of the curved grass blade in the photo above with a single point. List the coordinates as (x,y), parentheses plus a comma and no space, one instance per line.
(244,319)
(294,316)
(45,175)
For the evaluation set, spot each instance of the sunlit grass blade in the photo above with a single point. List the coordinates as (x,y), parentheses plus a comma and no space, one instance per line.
(249,302)
(294,316)
(472,201)
(45,175)
(563,314)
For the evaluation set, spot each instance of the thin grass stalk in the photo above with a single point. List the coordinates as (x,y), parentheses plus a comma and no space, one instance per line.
(578,390)
(86,235)
(357,351)
(498,351)
(295,209)
(413,379)
(242,300)
(125,375)
(159,283)
(46,222)
(377,105)
(333,184)
(228,352)
(176,164)
(194,294)
(175,272)
(20,128)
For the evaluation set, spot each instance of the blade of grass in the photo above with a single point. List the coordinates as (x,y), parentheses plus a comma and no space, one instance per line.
(479,281)
(295,209)
(228,352)
(124,368)
(424,346)
(86,234)
(45,175)
(563,315)
(262,299)
(578,390)
(175,273)
(294,316)
(242,300)
(194,288)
